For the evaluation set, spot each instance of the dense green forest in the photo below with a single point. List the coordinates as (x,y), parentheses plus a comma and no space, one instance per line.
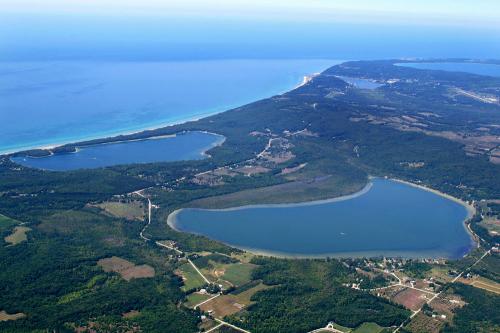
(307,294)
(479,315)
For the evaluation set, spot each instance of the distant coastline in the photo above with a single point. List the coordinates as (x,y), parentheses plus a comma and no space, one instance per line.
(121,134)
(110,138)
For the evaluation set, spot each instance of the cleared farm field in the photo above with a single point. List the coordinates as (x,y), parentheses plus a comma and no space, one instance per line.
(239,274)
(126,269)
(4,316)
(226,305)
(133,210)
(18,235)
(196,298)
(190,277)
(483,283)
(369,328)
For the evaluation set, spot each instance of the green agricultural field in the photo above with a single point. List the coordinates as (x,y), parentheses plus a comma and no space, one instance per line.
(369,328)
(133,210)
(342,328)
(191,278)
(239,274)
(195,298)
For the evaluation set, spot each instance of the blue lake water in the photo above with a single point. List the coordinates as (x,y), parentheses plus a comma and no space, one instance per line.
(361,83)
(474,68)
(46,103)
(391,219)
(184,146)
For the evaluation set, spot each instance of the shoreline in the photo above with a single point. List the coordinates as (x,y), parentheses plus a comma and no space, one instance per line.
(111,136)
(471,210)
(220,139)
(344,255)
(163,124)
(172,219)
(202,153)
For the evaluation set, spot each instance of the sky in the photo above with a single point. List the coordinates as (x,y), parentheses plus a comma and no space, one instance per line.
(191,29)
(452,12)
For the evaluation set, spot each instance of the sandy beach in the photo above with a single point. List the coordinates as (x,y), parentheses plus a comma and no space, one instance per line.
(471,210)
(160,124)
(112,135)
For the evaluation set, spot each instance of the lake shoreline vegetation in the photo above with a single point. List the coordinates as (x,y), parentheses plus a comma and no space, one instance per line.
(276,150)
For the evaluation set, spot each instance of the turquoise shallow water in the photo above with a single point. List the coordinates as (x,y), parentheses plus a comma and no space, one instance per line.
(391,219)
(184,146)
(46,103)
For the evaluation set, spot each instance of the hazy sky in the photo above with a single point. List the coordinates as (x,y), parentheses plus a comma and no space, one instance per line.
(440,12)
(194,29)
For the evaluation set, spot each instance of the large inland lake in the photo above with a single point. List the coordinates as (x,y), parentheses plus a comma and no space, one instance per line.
(183,146)
(388,218)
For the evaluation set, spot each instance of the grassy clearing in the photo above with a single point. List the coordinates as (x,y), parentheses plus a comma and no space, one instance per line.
(4,316)
(125,268)
(485,284)
(238,274)
(337,327)
(18,235)
(342,328)
(191,278)
(369,328)
(440,273)
(321,186)
(133,210)
(491,224)
(244,257)
(195,298)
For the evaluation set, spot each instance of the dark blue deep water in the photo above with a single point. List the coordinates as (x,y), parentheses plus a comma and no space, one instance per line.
(185,146)
(391,219)
(474,68)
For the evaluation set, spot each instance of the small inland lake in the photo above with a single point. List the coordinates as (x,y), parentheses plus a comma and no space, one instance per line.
(390,218)
(183,146)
